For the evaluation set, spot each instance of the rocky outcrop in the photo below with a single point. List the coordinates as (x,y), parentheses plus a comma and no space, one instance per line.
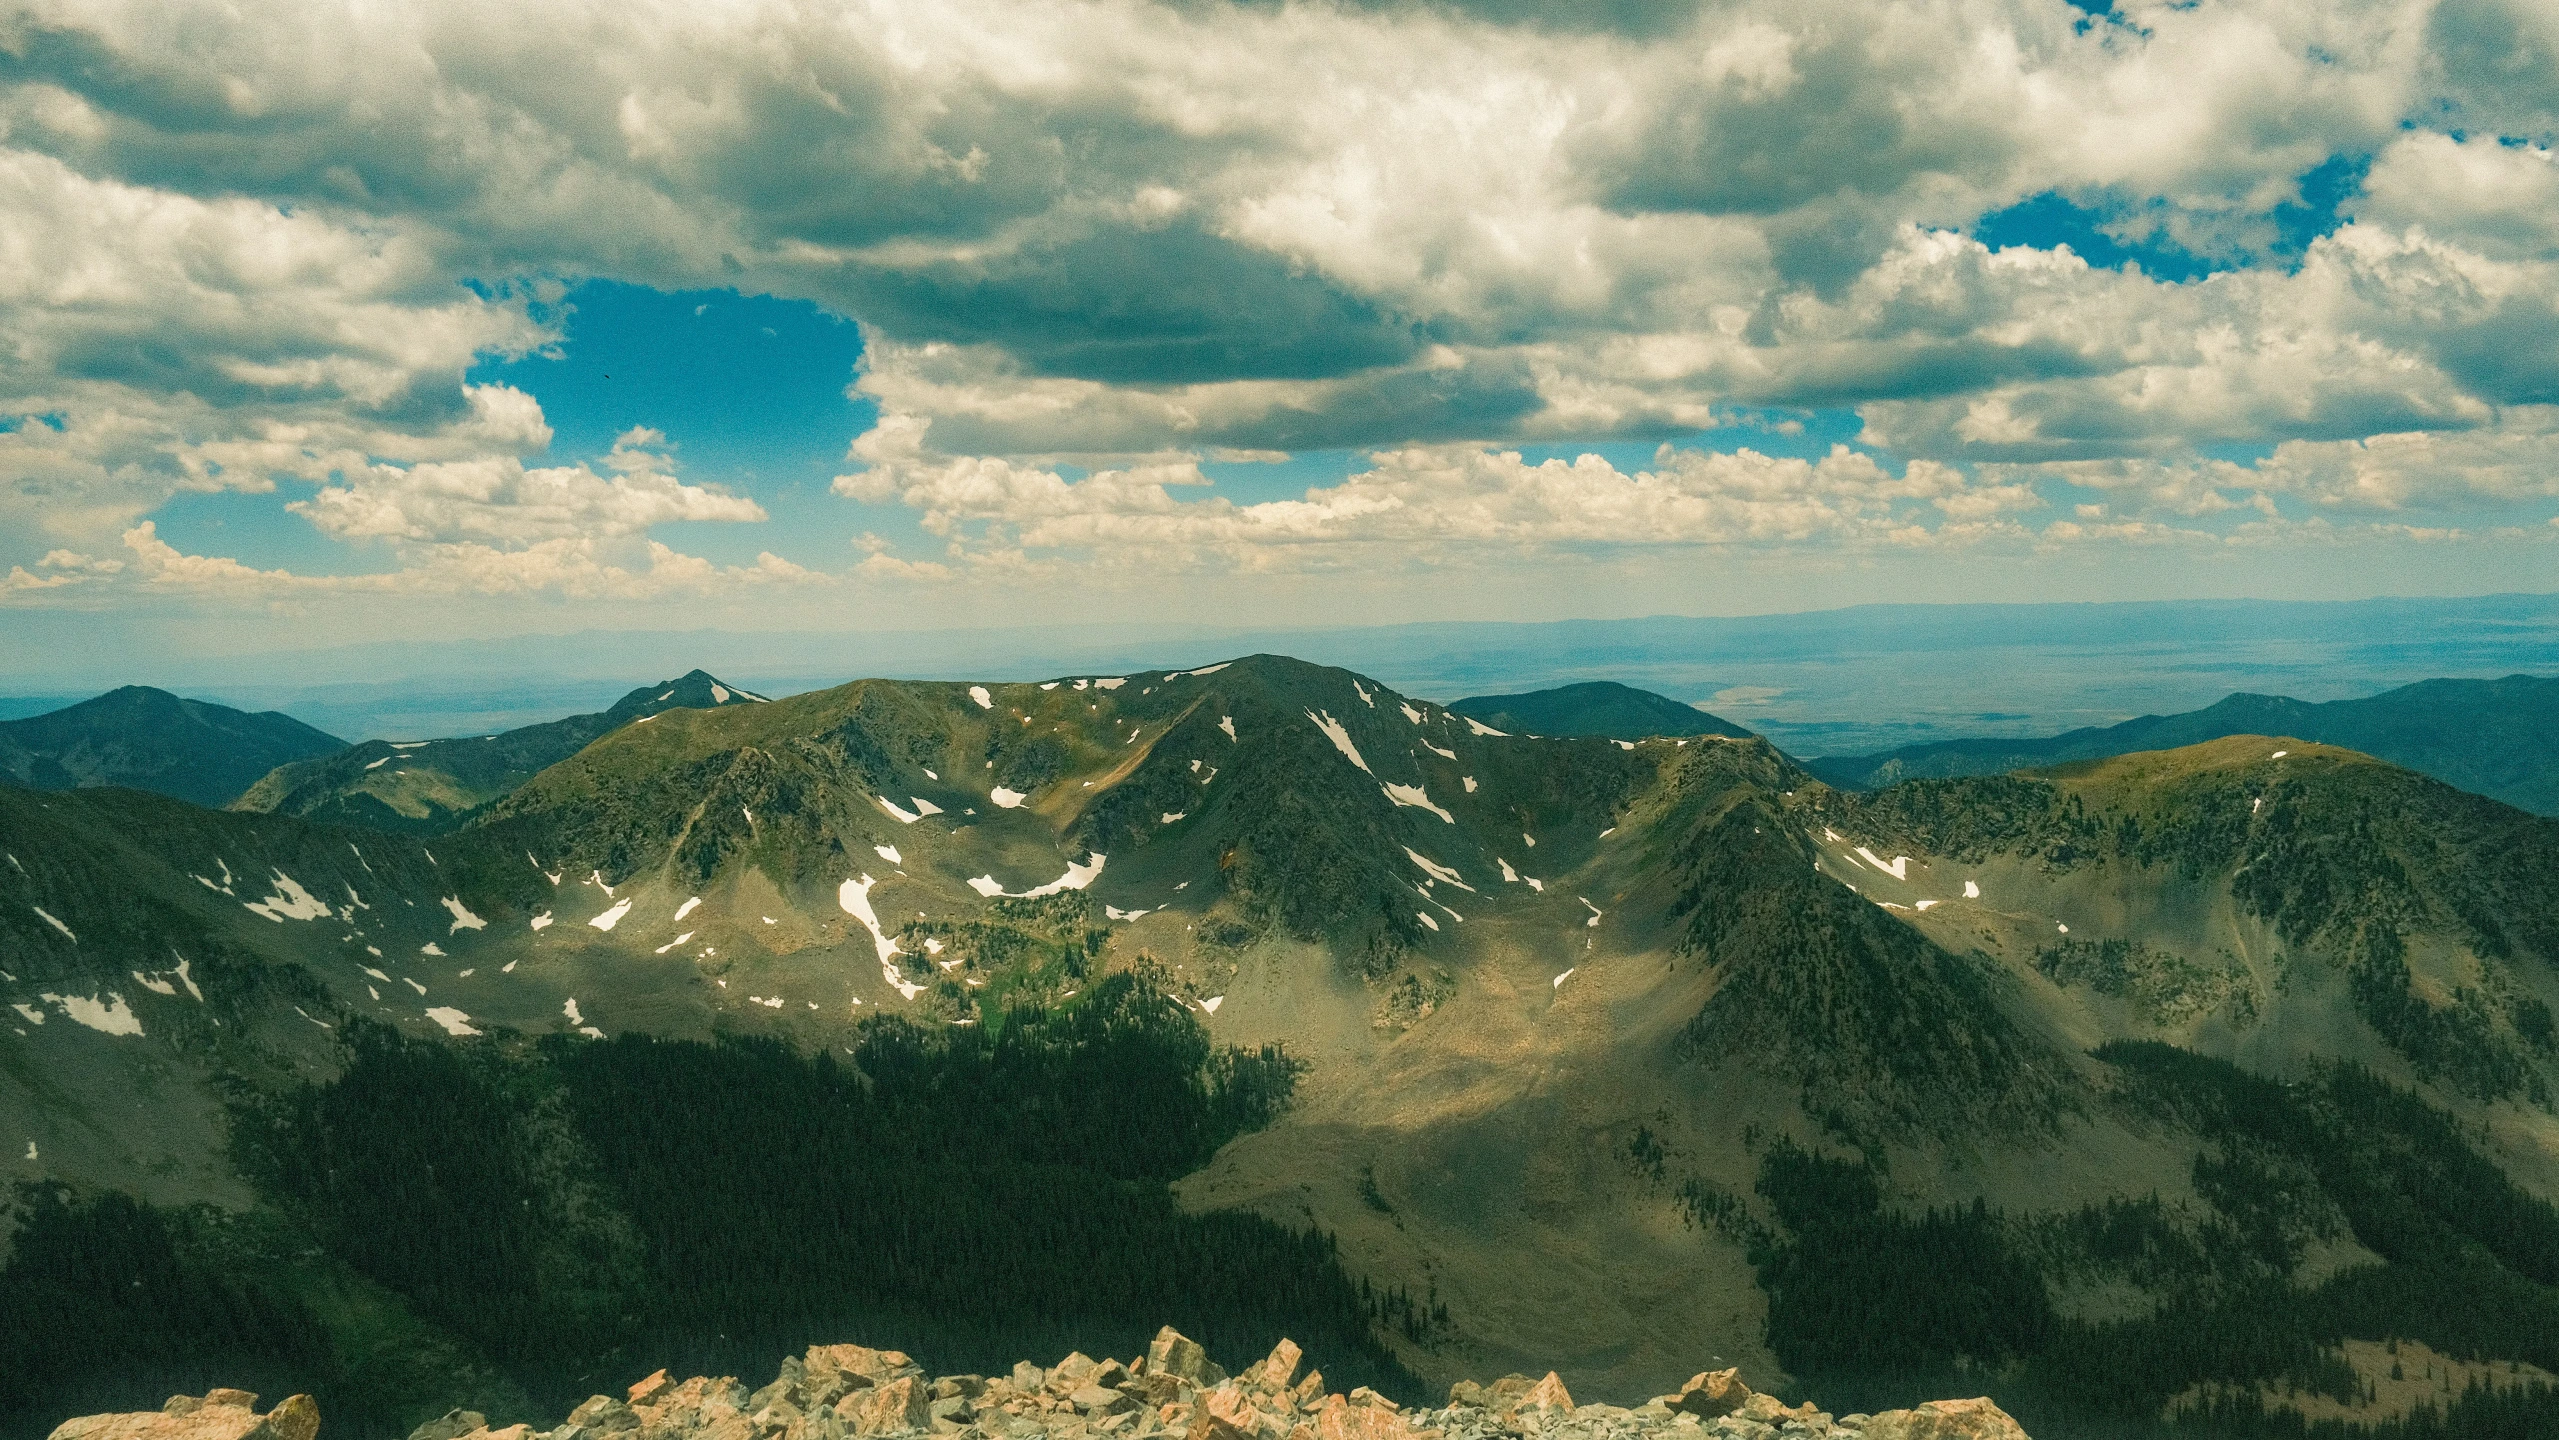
(1172,1392)
(216,1415)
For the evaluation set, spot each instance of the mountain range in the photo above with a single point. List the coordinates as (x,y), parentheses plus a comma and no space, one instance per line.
(2212,1082)
(152,740)
(2486,736)
(430,787)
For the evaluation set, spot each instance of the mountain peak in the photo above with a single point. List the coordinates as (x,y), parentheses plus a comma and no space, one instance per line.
(1604,708)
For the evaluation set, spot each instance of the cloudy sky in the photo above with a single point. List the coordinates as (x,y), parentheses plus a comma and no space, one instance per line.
(365,319)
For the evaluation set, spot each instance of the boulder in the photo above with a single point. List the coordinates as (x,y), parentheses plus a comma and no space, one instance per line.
(1710,1393)
(1339,1419)
(452,1425)
(1975,1419)
(1099,1400)
(647,1391)
(888,1409)
(1547,1395)
(1279,1371)
(1309,1392)
(600,1415)
(1174,1353)
(217,1415)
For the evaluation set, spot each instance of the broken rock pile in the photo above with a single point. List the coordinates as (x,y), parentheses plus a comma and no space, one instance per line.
(1174,1391)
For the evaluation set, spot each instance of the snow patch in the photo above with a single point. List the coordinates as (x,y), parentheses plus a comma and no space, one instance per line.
(154,984)
(571,1010)
(542,921)
(1110,684)
(719,693)
(378,764)
(984,700)
(1443,754)
(1417,797)
(289,902)
(1899,869)
(686,908)
(1209,1005)
(463,919)
(1437,871)
(1470,781)
(110,1016)
(1076,878)
(33,1015)
(1364,696)
(612,917)
(1340,736)
(1972,890)
(1006,797)
(1409,712)
(1509,876)
(684,939)
(1172,815)
(1212,669)
(2278,755)
(1478,727)
(66,930)
(412,984)
(431,948)
(1595,912)
(1924,904)
(1425,919)
(885,852)
(454,1021)
(1117,913)
(1558,982)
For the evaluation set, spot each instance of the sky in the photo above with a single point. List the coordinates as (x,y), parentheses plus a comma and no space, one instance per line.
(334,324)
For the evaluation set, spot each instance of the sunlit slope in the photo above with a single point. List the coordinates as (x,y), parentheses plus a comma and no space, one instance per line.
(432,787)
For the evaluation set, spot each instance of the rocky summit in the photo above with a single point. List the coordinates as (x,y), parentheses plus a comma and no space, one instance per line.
(851,1392)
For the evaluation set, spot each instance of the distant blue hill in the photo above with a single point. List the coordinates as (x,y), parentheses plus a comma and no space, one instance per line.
(2490,737)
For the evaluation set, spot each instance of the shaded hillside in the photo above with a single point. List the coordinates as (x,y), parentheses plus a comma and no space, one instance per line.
(1602,708)
(2490,737)
(432,787)
(152,740)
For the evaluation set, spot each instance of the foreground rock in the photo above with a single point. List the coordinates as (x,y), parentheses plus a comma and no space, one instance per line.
(219,1415)
(848,1392)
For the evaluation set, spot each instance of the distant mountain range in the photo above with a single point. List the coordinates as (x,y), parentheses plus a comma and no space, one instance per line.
(1601,708)
(152,740)
(430,787)
(2490,737)
(965,1017)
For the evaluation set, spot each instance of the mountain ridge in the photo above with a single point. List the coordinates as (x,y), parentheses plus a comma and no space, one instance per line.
(2485,736)
(150,739)
(434,787)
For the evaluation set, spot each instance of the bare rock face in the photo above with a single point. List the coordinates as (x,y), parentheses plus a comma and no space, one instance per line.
(216,1415)
(1172,1392)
